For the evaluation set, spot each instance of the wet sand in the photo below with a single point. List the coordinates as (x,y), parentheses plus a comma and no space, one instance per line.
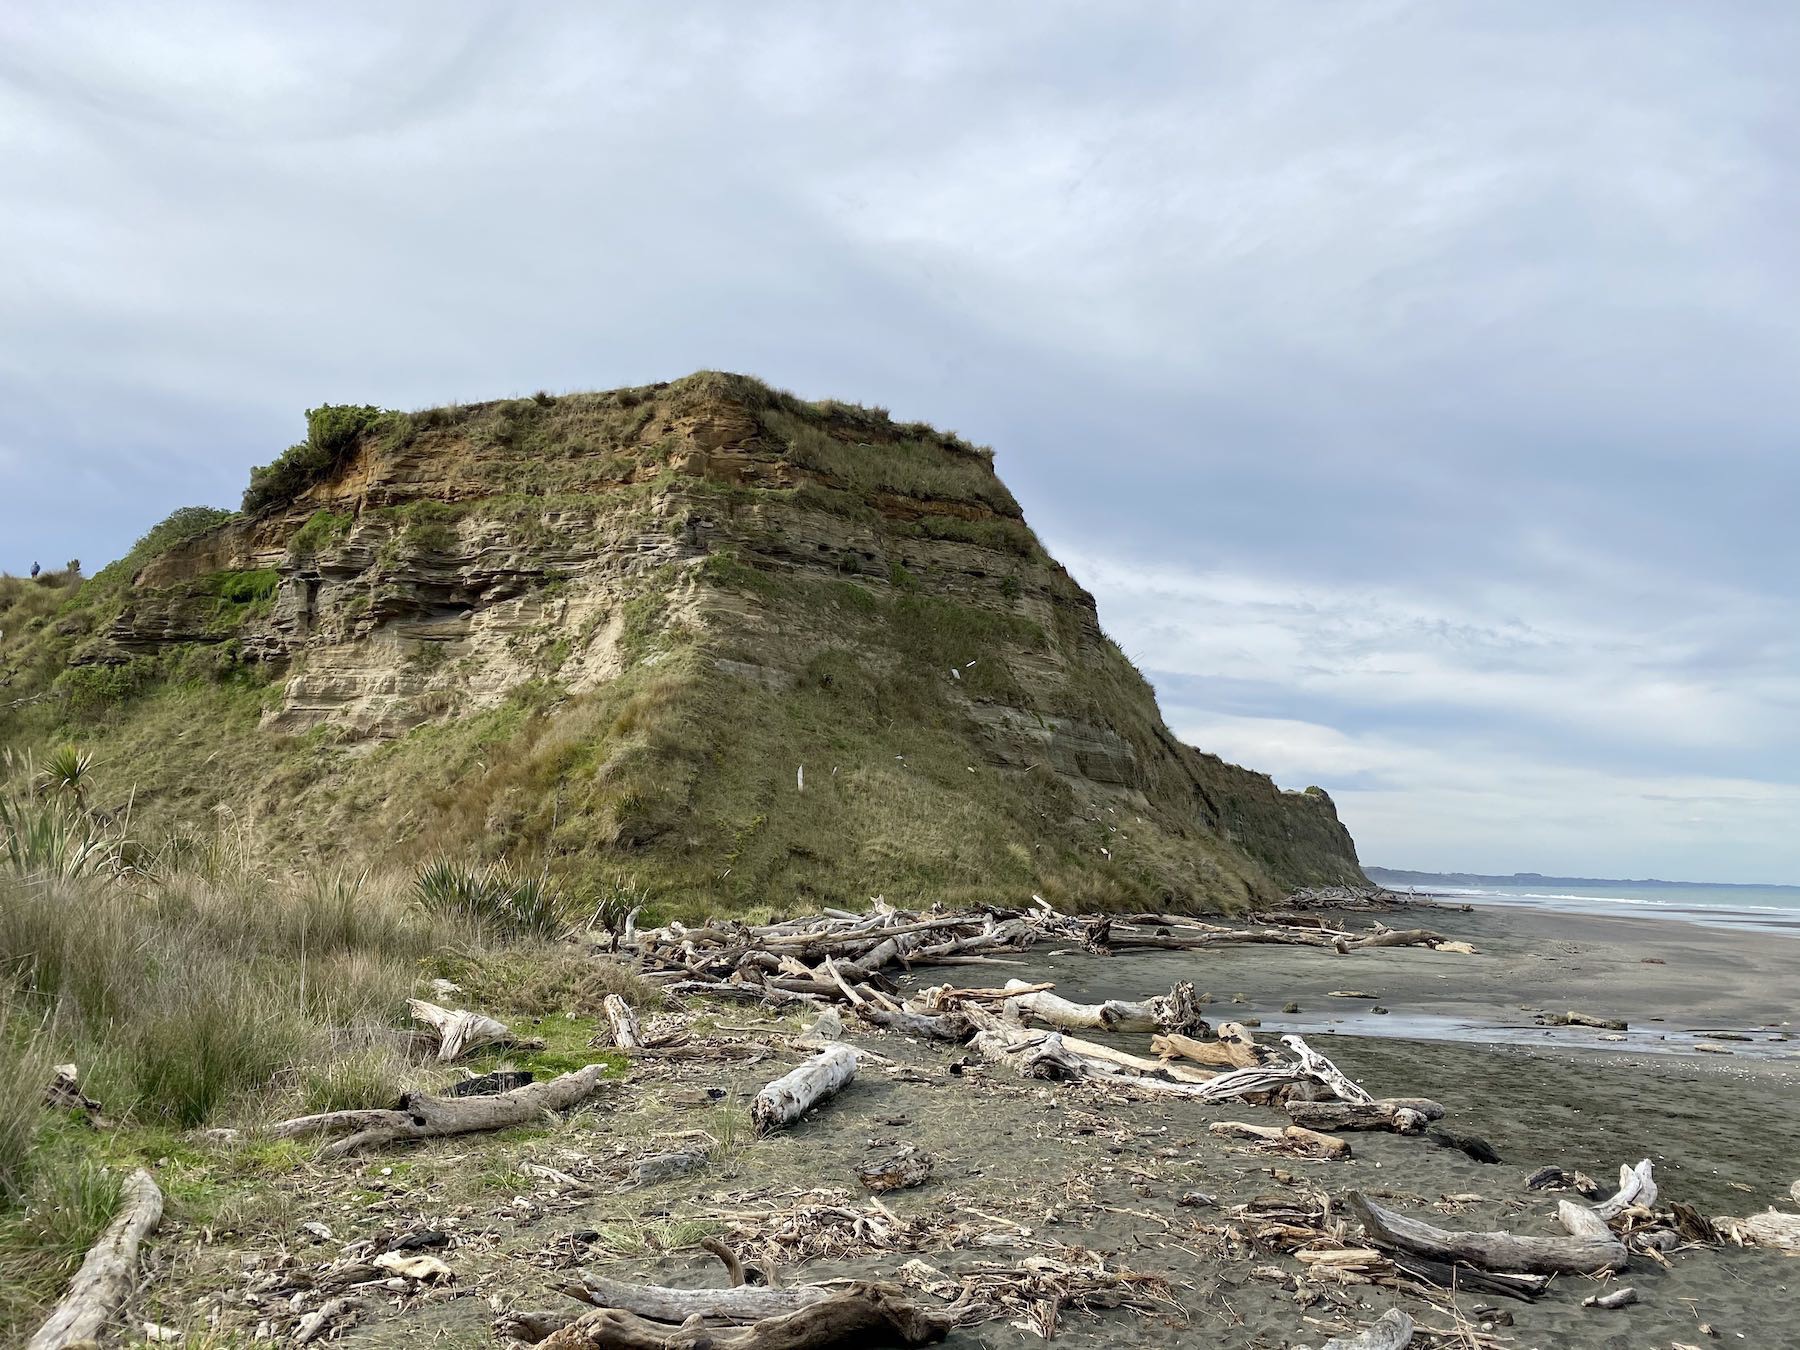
(1668,980)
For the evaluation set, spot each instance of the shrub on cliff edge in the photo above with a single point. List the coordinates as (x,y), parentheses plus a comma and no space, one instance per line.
(332,430)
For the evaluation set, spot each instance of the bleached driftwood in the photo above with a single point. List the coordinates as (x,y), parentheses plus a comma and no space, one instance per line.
(661,1303)
(1055,1056)
(949,1026)
(1176,1011)
(782,964)
(1293,1139)
(1235,1048)
(1400,1115)
(1772,1228)
(1636,1187)
(1135,1064)
(460,1031)
(1389,937)
(107,1273)
(626,1033)
(1052,1055)
(1580,1221)
(1031,1054)
(421,1116)
(1619,1298)
(1573,1255)
(1393,1330)
(792,1095)
(857,1316)
(1317,1066)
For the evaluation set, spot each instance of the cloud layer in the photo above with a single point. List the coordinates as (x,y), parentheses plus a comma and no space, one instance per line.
(1411,381)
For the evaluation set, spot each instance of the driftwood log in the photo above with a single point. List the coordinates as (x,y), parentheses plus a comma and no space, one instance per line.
(1031,1054)
(1399,1115)
(626,1033)
(107,1273)
(661,1303)
(791,1096)
(1136,1064)
(1176,1011)
(460,1032)
(1317,1066)
(1579,1019)
(422,1116)
(860,1315)
(783,963)
(1573,1255)
(1580,1221)
(1236,1048)
(948,1026)
(1619,1298)
(1772,1228)
(1293,1139)
(1389,937)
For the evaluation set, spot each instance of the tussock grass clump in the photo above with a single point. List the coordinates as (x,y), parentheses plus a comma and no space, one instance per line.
(498,901)
(369,1076)
(538,982)
(186,996)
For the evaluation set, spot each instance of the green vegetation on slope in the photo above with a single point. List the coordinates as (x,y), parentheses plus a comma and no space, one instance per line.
(784,584)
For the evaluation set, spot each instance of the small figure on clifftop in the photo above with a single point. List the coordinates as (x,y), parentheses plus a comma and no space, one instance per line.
(35,569)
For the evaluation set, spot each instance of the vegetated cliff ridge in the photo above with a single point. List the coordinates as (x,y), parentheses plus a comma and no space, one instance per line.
(749,649)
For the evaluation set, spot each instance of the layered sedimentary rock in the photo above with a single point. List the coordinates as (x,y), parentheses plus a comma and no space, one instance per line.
(760,647)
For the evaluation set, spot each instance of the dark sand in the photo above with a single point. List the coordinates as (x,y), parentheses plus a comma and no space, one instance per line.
(1081,1167)
(1708,979)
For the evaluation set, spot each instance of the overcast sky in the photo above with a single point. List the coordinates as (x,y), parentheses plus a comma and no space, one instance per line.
(1414,384)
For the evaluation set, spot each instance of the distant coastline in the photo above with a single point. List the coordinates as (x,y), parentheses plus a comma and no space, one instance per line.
(1769,908)
(1396,876)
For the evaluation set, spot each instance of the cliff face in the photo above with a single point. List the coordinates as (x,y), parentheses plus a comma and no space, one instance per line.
(758,649)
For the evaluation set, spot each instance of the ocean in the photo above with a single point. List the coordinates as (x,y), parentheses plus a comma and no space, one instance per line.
(1763,908)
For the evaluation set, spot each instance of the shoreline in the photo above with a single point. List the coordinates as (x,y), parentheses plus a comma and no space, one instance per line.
(1670,982)
(1777,919)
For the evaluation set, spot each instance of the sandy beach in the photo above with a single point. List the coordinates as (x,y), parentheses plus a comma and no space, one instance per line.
(1081,1173)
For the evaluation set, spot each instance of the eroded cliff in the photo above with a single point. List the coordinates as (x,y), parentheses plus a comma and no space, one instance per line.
(751,649)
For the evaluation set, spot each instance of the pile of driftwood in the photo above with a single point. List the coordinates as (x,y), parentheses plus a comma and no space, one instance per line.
(841,962)
(1028,1030)
(818,959)
(1408,1255)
